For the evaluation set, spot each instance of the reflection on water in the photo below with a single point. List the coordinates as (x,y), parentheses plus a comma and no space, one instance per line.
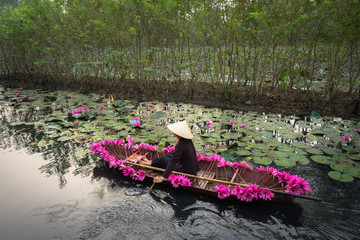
(51,192)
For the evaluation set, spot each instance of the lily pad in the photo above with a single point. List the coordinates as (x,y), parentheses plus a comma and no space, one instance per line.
(82,153)
(315,114)
(262,160)
(291,136)
(303,161)
(342,177)
(228,155)
(340,167)
(301,145)
(159,114)
(329,151)
(321,159)
(43,143)
(355,172)
(16,123)
(286,162)
(243,153)
(281,154)
(261,147)
(314,151)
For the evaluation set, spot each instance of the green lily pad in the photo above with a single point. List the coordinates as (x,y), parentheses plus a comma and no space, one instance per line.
(315,114)
(291,136)
(342,177)
(121,104)
(16,123)
(159,114)
(263,147)
(243,153)
(340,167)
(314,151)
(301,145)
(65,138)
(234,146)
(281,154)
(43,143)
(321,159)
(355,172)
(303,161)
(82,153)
(228,155)
(329,151)
(286,162)
(262,160)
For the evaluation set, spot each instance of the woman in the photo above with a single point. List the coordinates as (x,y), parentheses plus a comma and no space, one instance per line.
(183,159)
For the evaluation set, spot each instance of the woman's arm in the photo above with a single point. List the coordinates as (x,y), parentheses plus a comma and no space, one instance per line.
(175,158)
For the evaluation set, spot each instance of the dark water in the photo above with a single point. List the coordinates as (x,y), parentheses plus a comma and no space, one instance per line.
(49,193)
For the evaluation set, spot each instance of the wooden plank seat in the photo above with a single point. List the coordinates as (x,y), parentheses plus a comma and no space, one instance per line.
(134,158)
(203,183)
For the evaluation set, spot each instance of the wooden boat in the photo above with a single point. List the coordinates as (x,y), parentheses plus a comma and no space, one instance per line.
(217,177)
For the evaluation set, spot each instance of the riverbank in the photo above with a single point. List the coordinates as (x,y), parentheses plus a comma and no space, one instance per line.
(234,97)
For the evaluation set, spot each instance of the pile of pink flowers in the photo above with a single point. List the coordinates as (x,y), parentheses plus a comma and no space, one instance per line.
(128,171)
(293,183)
(146,146)
(179,180)
(169,149)
(246,194)
(251,192)
(116,163)
(222,162)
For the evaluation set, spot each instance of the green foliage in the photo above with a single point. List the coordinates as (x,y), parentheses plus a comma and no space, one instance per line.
(285,44)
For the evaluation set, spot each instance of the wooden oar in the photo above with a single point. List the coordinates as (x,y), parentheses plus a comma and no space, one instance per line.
(223,182)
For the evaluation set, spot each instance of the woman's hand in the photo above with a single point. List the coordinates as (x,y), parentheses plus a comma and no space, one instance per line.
(158,179)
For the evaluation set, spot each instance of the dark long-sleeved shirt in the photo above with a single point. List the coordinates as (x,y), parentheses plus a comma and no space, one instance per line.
(183,159)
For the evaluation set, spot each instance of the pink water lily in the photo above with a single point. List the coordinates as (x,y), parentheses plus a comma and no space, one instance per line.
(19,97)
(17,94)
(164,106)
(208,123)
(128,171)
(231,123)
(101,107)
(265,194)
(357,130)
(223,191)
(169,149)
(76,111)
(83,108)
(140,175)
(150,105)
(137,124)
(179,180)
(243,125)
(136,118)
(346,138)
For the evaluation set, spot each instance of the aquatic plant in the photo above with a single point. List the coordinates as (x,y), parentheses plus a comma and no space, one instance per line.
(179,180)
(223,191)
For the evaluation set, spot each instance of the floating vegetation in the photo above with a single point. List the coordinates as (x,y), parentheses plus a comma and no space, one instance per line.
(258,138)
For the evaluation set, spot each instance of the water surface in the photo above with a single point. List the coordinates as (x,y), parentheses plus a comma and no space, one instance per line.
(51,193)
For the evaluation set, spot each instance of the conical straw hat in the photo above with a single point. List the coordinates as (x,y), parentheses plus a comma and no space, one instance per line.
(181,129)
